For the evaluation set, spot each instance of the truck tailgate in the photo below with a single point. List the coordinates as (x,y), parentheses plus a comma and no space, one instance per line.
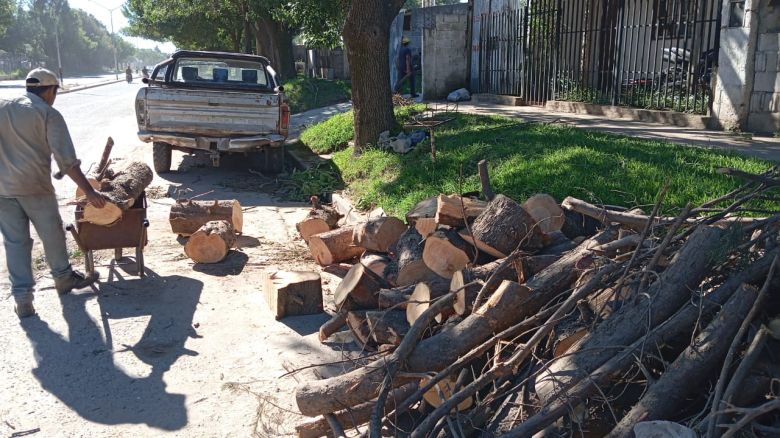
(211,113)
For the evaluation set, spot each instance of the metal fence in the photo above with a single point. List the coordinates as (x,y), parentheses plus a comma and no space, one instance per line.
(655,54)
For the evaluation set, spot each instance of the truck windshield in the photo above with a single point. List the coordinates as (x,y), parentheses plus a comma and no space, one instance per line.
(226,72)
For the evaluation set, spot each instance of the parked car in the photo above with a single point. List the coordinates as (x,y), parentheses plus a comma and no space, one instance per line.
(214,103)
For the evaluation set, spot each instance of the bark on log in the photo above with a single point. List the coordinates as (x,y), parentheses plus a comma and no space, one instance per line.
(319,220)
(293,293)
(397,297)
(502,309)
(424,209)
(446,252)
(545,211)
(387,328)
(351,418)
(577,224)
(187,216)
(128,184)
(333,325)
(211,243)
(356,321)
(378,234)
(102,167)
(358,289)
(408,266)
(450,209)
(333,246)
(376,262)
(692,368)
(504,226)
(666,295)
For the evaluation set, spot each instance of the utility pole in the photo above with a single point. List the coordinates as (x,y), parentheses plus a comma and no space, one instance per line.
(113,35)
(57,43)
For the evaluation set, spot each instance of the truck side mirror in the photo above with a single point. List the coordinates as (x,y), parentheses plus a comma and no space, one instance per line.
(279,89)
(145,80)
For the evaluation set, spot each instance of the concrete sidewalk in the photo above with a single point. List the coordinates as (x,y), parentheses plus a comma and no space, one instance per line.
(767,148)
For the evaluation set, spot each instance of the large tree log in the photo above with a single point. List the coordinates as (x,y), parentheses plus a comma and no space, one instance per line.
(128,184)
(408,266)
(665,296)
(545,211)
(358,289)
(692,368)
(319,220)
(450,210)
(388,327)
(355,416)
(293,293)
(211,243)
(333,246)
(378,234)
(187,216)
(504,226)
(446,252)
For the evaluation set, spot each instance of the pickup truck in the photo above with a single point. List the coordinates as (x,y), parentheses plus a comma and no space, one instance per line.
(214,103)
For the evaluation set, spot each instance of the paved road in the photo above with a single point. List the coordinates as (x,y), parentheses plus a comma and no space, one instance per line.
(12,88)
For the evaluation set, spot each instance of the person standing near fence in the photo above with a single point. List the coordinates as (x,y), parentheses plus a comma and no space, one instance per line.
(405,68)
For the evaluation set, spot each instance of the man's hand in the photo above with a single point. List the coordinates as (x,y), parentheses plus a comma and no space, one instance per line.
(96,199)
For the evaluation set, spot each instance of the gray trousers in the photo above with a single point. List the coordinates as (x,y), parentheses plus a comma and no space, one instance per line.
(16,214)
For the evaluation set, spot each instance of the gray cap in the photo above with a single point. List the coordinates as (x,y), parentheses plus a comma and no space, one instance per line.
(45,78)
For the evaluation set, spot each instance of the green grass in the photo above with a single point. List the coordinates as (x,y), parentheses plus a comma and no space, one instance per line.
(304,93)
(334,133)
(531,158)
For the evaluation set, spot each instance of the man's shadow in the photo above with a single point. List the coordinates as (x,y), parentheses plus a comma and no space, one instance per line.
(81,371)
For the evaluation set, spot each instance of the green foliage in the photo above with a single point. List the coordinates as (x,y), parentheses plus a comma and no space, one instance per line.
(319,180)
(305,93)
(530,158)
(330,135)
(6,15)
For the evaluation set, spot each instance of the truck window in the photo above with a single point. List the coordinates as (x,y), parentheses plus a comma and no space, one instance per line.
(215,72)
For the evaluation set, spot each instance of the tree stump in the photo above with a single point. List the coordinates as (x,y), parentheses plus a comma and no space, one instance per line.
(378,234)
(505,226)
(293,293)
(333,246)
(446,252)
(450,210)
(127,185)
(187,216)
(211,243)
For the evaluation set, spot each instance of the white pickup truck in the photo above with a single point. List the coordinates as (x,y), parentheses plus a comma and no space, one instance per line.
(214,103)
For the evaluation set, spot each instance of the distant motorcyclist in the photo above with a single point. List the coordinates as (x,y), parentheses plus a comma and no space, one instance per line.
(145,72)
(129,74)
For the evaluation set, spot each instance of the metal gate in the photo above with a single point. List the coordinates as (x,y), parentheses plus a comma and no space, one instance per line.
(654,54)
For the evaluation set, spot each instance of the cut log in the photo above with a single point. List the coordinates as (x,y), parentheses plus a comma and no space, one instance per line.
(211,243)
(578,225)
(545,211)
(442,391)
(408,266)
(450,210)
(692,368)
(351,418)
(376,262)
(358,289)
(378,234)
(387,328)
(464,295)
(397,297)
(446,252)
(187,216)
(425,226)
(333,325)
(419,302)
(504,226)
(122,191)
(424,209)
(344,207)
(333,246)
(293,293)
(356,321)
(666,296)
(319,220)
(102,167)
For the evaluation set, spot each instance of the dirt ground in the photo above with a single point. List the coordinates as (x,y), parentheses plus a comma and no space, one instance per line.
(189,350)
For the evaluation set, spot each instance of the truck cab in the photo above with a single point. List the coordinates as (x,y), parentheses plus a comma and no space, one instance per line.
(214,103)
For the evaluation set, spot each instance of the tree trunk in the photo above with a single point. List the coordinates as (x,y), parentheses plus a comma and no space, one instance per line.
(187,216)
(211,243)
(122,188)
(293,293)
(274,41)
(333,246)
(503,226)
(367,36)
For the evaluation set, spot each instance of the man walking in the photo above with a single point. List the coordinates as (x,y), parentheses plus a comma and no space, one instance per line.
(405,68)
(31,131)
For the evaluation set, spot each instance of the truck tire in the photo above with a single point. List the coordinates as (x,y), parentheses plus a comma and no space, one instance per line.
(161,157)
(269,160)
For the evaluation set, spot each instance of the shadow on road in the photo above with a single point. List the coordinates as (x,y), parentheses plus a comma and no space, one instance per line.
(80,370)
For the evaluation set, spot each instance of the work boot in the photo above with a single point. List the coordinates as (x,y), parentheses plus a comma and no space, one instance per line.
(24,310)
(76,280)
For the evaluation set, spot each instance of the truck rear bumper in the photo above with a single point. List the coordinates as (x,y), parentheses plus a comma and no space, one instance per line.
(239,144)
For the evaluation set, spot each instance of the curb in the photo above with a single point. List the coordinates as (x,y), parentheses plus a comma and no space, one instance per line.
(88,86)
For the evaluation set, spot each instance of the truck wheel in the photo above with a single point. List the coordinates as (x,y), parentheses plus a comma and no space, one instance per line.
(269,160)
(161,157)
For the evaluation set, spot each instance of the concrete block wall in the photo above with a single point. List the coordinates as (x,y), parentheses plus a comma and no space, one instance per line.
(445,49)
(765,99)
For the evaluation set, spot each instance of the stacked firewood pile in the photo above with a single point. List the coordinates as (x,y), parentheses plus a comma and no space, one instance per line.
(489,318)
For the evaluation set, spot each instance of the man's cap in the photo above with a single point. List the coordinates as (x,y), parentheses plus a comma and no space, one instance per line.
(405,40)
(42,78)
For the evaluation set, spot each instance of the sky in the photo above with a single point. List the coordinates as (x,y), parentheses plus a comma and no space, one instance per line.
(99,8)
